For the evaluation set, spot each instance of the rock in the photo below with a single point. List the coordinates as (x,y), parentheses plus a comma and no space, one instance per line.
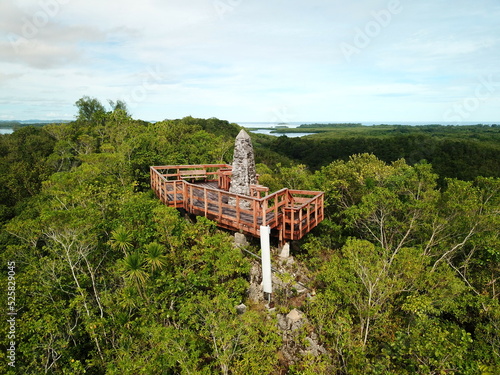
(240,240)
(282,323)
(294,319)
(285,250)
(290,322)
(314,347)
(255,288)
(241,309)
(294,316)
(290,261)
(295,346)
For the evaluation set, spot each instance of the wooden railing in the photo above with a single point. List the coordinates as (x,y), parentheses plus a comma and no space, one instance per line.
(209,172)
(306,213)
(293,213)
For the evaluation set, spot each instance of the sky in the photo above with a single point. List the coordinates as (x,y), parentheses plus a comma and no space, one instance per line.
(272,61)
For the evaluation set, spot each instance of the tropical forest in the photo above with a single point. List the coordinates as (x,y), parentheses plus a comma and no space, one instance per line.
(99,277)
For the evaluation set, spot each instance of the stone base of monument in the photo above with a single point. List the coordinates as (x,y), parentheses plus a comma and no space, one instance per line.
(244,204)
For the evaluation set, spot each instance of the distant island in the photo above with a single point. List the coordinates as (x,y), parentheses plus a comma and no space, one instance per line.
(12,124)
(334,125)
(337,129)
(315,128)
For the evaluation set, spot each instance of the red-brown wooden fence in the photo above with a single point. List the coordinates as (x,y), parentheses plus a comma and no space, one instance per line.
(203,190)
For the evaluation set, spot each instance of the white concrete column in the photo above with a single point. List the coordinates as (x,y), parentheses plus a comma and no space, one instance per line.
(265,245)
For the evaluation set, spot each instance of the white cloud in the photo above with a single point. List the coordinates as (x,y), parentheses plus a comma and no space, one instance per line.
(254,57)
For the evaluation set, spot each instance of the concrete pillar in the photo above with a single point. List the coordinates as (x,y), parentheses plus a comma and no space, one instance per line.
(265,244)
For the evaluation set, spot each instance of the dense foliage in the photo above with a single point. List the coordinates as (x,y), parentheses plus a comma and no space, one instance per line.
(108,280)
(462,152)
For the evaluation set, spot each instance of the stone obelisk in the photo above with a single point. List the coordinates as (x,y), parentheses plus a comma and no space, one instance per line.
(244,173)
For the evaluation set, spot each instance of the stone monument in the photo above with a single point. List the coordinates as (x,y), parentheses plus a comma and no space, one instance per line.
(244,173)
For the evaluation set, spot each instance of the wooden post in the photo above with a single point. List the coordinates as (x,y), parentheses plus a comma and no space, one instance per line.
(308,217)
(300,221)
(184,195)
(190,204)
(238,212)
(281,232)
(175,194)
(205,200)
(254,213)
(160,192)
(219,203)
(264,212)
(276,204)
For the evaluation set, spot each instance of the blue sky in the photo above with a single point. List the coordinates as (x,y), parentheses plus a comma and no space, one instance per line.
(254,60)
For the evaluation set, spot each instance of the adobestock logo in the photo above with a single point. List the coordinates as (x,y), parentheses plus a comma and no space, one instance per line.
(364,36)
(282,115)
(462,110)
(224,6)
(151,81)
(31,26)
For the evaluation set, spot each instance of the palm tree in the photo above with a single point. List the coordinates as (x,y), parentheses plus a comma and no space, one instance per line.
(132,266)
(155,257)
(121,239)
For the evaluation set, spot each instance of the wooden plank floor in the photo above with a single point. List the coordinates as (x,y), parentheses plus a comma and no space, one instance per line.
(199,204)
(202,205)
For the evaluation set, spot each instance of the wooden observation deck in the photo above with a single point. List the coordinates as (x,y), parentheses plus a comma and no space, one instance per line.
(204,190)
